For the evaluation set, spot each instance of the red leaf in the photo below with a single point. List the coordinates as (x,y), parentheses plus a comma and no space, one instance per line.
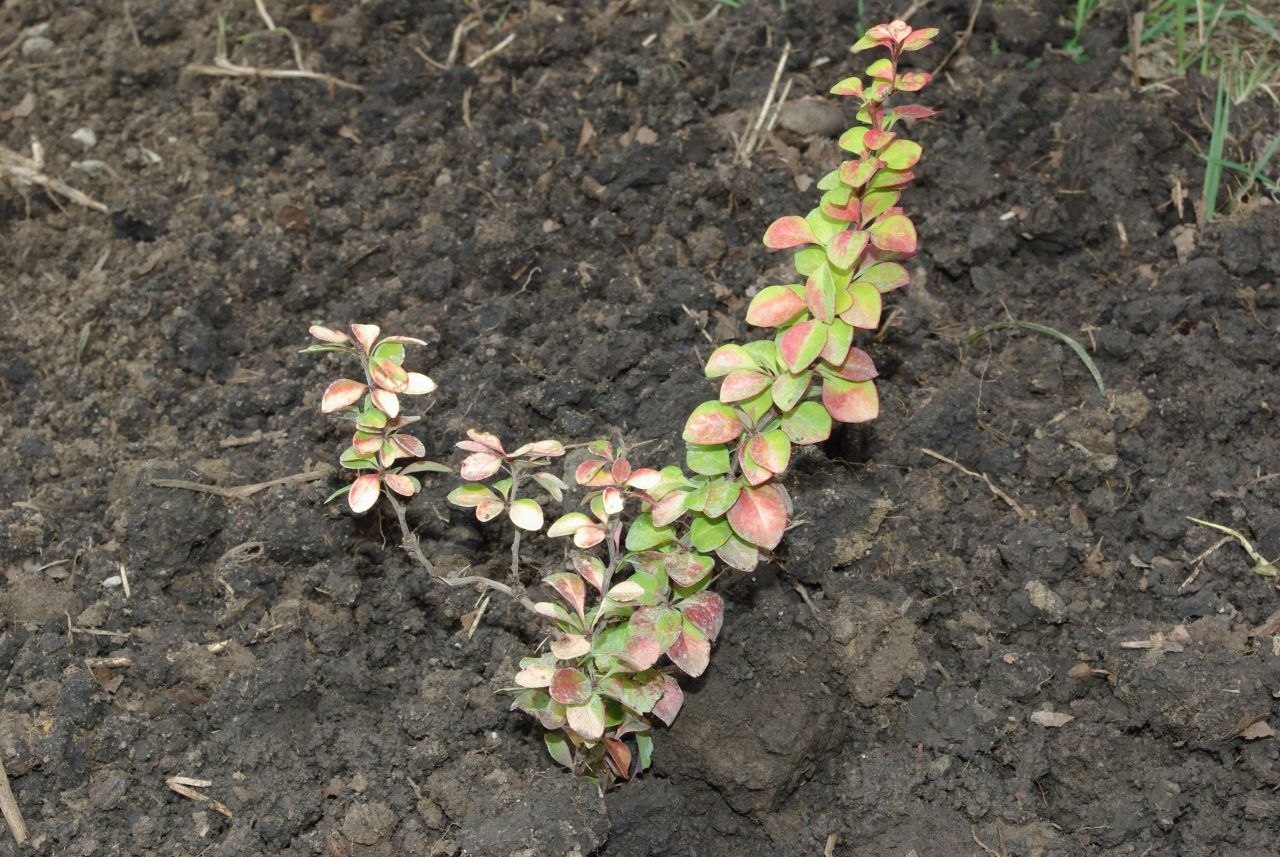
(571,588)
(619,757)
(850,401)
(711,423)
(857,366)
(801,345)
(402,485)
(894,233)
(592,474)
(790,231)
(760,515)
(914,111)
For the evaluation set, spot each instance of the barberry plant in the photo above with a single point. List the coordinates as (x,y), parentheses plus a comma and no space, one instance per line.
(379,442)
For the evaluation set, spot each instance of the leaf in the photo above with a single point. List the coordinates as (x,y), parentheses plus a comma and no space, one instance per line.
(912,111)
(553,485)
(877,203)
(772,306)
(771,450)
(799,346)
(558,748)
(732,358)
(481,441)
(707,534)
(408,445)
(364,493)
(590,569)
(388,350)
(853,140)
(886,179)
(626,592)
(918,39)
(858,173)
(631,691)
(839,339)
(865,307)
(571,588)
(644,748)
(720,496)
(669,508)
(489,509)
(686,569)
(786,232)
(912,81)
(820,294)
(822,226)
(849,86)
(354,459)
(570,646)
(426,467)
(808,259)
(587,720)
(611,501)
(340,394)
(738,554)
(325,334)
(535,675)
(570,686)
(672,701)
(365,443)
(760,516)
(592,473)
(901,155)
(526,514)
(692,652)
(845,247)
(405,486)
(753,473)
(389,376)
(588,537)
(707,459)
(711,423)
(885,277)
(540,449)
(642,535)
(895,233)
(366,335)
(850,401)
(706,611)
(881,69)
(479,465)
(1051,719)
(742,385)
(788,389)
(619,757)
(386,400)
(857,366)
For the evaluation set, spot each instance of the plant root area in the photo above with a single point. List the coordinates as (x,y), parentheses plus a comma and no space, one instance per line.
(1015,643)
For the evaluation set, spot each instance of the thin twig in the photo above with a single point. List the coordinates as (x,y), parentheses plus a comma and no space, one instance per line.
(224,67)
(500,46)
(1018,508)
(964,37)
(751,139)
(264,14)
(30,172)
(9,808)
(240,492)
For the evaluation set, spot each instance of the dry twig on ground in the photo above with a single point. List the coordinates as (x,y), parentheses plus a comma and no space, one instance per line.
(29,172)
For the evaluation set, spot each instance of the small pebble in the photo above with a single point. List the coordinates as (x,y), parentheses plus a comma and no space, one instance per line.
(36,46)
(85,137)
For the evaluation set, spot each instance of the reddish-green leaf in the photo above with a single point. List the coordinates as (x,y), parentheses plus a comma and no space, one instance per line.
(537,674)
(912,81)
(711,423)
(885,179)
(845,247)
(853,140)
(487,510)
(760,515)
(849,86)
(571,588)
(918,39)
(479,465)
(772,306)
(788,389)
(660,624)
(881,69)
(877,203)
(820,294)
(692,652)
(801,344)
(570,686)
(631,691)
(721,494)
(808,423)
(366,335)
(686,569)
(731,358)
(885,277)
(790,231)
(850,401)
(876,139)
(364,493)
(590,569)
(895,233)
(752,471)
(570,646)
(864,307)
(619,755)
(858,173)
(771,450)
(405,486)
(901,155)
(389,376)
(738,554)
(913,111)
(742,385)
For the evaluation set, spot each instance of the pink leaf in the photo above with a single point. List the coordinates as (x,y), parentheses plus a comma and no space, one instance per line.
(325,334)
(790,231)
(487,510)
(706,610)
(486,439)
(644,479)
(671,703)
(760,515)
(535,675)
(589,536)
(366,444)
(388,375)
(613,500)
(592,474)
(340,394)
(800,345)
(774,305)
(591,570)
(619,757)
(409,445)
(366,335)
(386,401)
(857,366)
(570,686)
(894,233)
(692,652)
(364,493)
(737,386)
(480,465)
(844,248)
(712,423)
(402,485)
(571,588)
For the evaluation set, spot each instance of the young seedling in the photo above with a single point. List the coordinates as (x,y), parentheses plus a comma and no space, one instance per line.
(373,405)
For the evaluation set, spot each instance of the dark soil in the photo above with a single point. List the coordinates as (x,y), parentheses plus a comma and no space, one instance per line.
(566,226)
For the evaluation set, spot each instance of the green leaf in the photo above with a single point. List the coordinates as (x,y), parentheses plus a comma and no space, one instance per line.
(884,277)
(851,140)
(808,423)
(732,358)
(471,495)
(829,181)
(820,292)
(558,747)
(764,352)
(865,306)
(392,351)
(425,466)
(808,260)
(901,154)
(720,495)
(789,389)
(800,345)
(708,459)
(526,514)
(644,747)
(823,226)
(738,554)
(642,535)
(706,534)
(353,460)
(839,340)
(757,406)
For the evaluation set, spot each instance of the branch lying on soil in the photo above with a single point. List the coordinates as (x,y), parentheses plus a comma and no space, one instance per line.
(27,172)
(1022,511)
(240,492)
(9,808)
(414,549)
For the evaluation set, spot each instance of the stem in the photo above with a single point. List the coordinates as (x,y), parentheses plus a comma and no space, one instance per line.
(414,549)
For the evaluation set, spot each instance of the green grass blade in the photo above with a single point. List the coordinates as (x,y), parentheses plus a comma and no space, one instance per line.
(1213,167)
(1047,331)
